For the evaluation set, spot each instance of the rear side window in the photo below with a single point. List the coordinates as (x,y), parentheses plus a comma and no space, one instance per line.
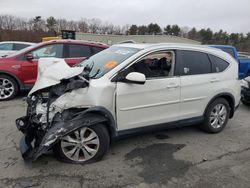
(219,64)
(76,50)
(195,63)
(20,46)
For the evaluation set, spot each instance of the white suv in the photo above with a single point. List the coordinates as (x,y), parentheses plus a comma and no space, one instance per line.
(125,89)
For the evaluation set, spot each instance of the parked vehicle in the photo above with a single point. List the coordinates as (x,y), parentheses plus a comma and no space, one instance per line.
(126,89)
(245,91)
(19,70)
(9,47)
(244,61)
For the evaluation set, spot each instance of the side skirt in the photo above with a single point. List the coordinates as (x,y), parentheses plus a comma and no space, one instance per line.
(154,128)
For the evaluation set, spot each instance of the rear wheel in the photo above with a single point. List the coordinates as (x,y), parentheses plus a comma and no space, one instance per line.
(8,87)
(216,116)
(87,144)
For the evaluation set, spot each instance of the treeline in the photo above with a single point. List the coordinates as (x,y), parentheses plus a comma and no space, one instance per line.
(15,28)
(205,36)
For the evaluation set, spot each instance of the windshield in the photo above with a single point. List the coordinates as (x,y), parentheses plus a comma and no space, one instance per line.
(106,60)
(23,50)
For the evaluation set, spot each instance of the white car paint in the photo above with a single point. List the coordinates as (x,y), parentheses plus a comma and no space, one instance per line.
(157,101)
(5,52)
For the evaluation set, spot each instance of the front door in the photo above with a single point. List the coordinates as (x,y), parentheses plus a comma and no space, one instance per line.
(155,102)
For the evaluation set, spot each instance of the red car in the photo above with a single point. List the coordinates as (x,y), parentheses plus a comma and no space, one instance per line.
(19,70)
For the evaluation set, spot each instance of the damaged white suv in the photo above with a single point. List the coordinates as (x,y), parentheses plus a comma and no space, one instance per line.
(125,89)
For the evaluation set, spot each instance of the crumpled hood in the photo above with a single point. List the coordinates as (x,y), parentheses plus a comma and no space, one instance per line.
(51,71)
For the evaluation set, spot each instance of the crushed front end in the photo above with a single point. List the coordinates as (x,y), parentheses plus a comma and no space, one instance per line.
(41,116)
(45,123)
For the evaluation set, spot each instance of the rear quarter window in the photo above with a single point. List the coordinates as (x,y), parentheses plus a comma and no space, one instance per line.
(219,64)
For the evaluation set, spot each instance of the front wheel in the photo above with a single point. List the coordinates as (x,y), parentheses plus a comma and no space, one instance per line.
(216,116)
(87,144)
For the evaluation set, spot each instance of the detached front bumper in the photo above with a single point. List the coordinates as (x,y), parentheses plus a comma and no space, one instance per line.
(25,143)
(25,148)
(33,146)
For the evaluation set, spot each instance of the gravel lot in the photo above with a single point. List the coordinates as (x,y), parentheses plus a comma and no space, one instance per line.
(183,157)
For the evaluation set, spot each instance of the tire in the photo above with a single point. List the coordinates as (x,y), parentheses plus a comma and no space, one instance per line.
(68,151)
(216,118)
(8,88)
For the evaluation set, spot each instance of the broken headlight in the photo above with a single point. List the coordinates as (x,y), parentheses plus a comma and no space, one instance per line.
(45,94)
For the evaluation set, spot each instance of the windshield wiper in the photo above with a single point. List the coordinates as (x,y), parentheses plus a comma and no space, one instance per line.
(87,69)
(97,72)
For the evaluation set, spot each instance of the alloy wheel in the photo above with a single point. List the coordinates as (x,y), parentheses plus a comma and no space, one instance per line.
(80,145)
(6,88)
(218,116)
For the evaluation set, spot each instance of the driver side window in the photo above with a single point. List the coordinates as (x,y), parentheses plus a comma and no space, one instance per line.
(155,65)
(54,50)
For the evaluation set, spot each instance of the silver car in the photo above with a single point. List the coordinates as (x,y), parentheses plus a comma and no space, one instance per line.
(9,47)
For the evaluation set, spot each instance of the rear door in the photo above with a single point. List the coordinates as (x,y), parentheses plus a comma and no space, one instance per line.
(75,53)
(198,82)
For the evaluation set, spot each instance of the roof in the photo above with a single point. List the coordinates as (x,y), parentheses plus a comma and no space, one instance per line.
(159,45)
(76,41)
(156,46)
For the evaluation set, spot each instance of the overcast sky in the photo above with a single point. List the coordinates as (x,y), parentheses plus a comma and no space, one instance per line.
(229,15)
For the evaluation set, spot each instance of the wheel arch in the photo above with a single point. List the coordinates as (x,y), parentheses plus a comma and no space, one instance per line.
(229,98)
(110,123)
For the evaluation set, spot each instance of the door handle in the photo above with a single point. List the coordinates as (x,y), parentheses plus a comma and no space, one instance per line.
(172,85)
(214,80)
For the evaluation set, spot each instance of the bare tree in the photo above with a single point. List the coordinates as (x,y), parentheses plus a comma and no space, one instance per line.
(72,25)
(7,22)
(51,24)
(184,31)
(83,25)
(61,24)
(38,23)
(125,29)
(94,25)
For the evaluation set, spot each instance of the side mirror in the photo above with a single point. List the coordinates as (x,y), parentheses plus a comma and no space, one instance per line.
(136,78)
(29,57)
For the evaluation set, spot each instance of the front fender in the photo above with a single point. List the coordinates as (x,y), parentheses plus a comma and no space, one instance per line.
(60,128)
